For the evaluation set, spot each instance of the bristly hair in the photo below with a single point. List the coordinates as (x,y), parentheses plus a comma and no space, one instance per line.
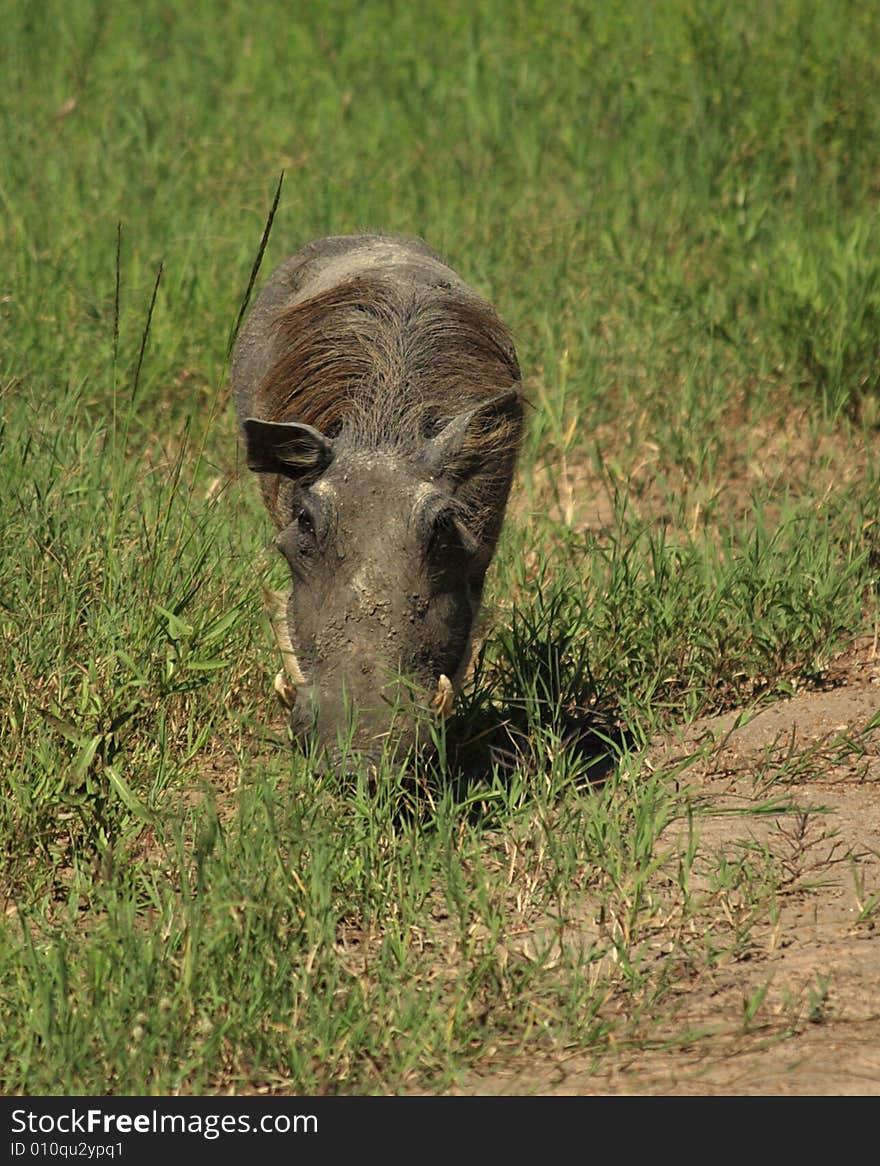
(386,366)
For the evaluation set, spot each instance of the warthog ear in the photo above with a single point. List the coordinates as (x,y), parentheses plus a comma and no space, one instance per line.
(447,455)
(286,447)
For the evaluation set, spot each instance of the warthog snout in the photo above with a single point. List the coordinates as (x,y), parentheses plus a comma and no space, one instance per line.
(387,720)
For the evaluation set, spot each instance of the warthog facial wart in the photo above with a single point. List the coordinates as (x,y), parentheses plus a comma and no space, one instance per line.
(379,400)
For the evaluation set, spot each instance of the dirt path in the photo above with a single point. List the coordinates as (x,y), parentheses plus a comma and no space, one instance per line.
(797,1011)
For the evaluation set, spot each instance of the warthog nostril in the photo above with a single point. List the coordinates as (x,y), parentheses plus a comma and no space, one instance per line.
(347,762)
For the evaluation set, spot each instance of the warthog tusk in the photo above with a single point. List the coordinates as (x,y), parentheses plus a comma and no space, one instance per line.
(441,704)
(290,675)
(276,608)
(284,690)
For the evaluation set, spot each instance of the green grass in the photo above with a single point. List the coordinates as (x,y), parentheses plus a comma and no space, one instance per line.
(675,206)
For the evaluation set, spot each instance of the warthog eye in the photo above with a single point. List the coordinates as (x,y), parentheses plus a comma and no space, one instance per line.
(299,540)
(305,526)
(448,540)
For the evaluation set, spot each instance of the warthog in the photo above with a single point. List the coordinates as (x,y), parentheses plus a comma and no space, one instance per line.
(379,399)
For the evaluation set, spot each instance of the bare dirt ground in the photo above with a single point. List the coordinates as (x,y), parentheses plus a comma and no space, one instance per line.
(797,1009)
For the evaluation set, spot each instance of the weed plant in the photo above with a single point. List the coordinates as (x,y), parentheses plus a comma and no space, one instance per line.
(676,209)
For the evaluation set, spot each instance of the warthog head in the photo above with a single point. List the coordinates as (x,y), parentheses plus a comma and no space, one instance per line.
(385,431)
(387,574)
